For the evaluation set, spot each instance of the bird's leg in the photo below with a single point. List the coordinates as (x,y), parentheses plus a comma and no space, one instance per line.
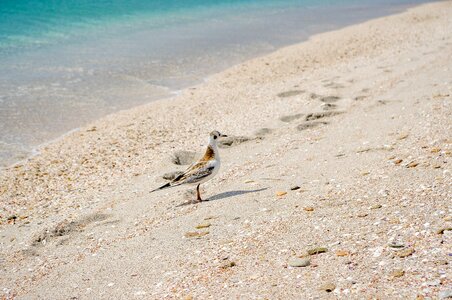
(198,194)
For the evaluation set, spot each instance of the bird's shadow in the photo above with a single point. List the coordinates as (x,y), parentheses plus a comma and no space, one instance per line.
(225,195)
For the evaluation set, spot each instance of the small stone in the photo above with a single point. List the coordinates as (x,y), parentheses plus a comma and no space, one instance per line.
(376,206)
(342,253)
(280,194)
(196,234)
(397,273)
(402,136)
(249,181)
(441,231)
(299,262)
(405,253)
(317,250)
(362,215)
(435,150)
(412,164)
(398,161)
(228,265)
(294,188)
(308,208)
(328,287)
(203,225)
(397,245)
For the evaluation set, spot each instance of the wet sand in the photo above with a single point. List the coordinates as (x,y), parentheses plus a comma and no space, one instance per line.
(358,119)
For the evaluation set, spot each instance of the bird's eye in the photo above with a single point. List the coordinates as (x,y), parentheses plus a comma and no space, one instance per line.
(214,137)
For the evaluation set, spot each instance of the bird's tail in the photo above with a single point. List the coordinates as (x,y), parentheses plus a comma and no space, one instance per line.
(162,187)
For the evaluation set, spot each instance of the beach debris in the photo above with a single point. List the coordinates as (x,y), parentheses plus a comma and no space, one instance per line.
(249,181)
(299,262)
(342,253)
(290,93)
(328,287)
(362,215)
(228,265)
(404,253)
(396,245)
(281,193)
(294,188)
(192,234)
(376,206)
(412,164)
(203,225)
(308,208)
(397,273)
(402,136)
(435,150)
(317,250)
(183,157)
(398,161)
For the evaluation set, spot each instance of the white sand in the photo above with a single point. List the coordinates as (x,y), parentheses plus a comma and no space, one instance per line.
(376,174)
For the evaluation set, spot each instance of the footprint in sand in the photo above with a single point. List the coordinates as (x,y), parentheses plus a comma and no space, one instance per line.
(328,106)
(321,115)
(262,132)
(291,118)
(309,125)
(67,228)
(290,93)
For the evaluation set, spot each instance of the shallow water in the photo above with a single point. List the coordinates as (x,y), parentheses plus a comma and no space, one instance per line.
(65,63)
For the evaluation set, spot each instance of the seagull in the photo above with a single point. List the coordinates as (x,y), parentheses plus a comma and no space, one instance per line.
(202,170)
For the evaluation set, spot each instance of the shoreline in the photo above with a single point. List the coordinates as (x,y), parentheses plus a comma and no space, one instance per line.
(358,119)
(165,91)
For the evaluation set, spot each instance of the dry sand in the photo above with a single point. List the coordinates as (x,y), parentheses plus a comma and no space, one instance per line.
(359,119)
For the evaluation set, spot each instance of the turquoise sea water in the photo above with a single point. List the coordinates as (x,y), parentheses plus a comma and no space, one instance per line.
(65,63)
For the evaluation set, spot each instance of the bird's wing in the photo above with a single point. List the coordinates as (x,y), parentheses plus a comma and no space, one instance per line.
(194,173)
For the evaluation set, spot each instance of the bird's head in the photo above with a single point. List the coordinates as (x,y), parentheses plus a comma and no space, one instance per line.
(214,135)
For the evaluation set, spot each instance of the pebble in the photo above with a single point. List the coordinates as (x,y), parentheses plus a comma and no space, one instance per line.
(228,265)
(342,253)
(280,194)
(376,206)
(412,164)
(294,188)
(405,253)
(328,287)
(308,208)
(203,225)
(317,250)
(196,234)
(397,273)
(299,262)
(396,244)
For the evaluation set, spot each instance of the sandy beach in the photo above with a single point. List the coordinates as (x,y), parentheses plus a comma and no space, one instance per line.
(335,181)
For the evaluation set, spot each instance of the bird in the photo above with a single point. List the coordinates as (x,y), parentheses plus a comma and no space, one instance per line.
(202,170)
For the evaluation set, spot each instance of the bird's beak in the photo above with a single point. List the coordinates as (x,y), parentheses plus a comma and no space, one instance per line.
(223,135)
